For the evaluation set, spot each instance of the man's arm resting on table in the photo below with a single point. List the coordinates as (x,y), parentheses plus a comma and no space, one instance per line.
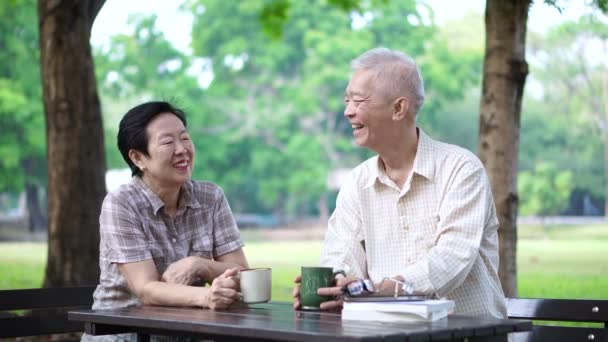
(144,281)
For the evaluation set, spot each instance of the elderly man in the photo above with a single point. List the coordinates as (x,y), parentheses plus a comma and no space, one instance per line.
(421,210)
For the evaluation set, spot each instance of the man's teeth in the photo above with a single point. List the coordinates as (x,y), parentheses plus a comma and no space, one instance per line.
(182,164)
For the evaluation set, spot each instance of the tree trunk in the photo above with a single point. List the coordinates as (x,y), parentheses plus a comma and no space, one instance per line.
(504,75)
(76,161)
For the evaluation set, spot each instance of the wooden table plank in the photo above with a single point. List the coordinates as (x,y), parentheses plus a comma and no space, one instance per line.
(280,322)
(198,321)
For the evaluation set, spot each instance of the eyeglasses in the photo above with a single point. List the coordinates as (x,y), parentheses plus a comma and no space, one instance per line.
(401,287)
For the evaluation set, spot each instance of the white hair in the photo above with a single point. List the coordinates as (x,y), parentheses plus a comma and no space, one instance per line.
(398,73)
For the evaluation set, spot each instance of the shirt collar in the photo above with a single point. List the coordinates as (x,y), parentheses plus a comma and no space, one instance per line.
(423,162)
(375,169)
(186,197)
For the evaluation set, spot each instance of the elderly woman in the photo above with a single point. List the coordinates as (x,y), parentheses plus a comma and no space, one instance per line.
(163,233)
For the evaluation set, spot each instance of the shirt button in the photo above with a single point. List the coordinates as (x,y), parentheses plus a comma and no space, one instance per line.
(174,240)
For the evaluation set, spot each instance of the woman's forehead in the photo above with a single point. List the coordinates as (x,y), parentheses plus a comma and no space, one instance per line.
(166,123)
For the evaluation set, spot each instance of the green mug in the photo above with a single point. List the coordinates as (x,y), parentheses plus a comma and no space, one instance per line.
(314,278)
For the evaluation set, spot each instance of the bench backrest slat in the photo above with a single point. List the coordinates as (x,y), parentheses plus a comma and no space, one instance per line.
(46,298)
(563,310)
(49,315)
(574,310)
(39,325)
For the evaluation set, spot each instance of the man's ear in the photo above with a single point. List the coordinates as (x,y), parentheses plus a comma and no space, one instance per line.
(137,157)
(401,108)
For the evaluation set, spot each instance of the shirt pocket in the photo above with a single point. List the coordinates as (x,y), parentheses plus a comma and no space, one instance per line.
(425,234)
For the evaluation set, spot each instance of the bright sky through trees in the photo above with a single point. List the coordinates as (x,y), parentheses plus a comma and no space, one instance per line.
(113,18)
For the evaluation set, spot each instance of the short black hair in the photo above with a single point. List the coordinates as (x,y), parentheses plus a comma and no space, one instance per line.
(132,129)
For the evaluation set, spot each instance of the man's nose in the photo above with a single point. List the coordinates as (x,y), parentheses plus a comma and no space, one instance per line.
(349,110)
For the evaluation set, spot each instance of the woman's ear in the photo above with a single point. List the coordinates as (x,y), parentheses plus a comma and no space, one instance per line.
(401,108)
(137,158)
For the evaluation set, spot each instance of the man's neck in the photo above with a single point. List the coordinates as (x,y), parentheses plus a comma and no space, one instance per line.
(398,157)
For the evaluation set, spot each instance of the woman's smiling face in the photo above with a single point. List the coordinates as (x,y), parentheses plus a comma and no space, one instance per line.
(170,158)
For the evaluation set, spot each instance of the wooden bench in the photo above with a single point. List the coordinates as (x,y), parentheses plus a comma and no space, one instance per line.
(46,310)
(560,310)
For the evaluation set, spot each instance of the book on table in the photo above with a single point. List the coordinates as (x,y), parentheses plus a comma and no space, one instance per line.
(404,310)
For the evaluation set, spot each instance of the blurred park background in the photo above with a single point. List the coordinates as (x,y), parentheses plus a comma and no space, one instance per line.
(265,111)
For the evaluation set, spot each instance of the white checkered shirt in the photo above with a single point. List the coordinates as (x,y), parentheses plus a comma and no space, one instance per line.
(439,231)
(133,227)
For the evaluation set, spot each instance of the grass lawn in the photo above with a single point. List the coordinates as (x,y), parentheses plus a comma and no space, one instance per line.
(22,265)
(556,262)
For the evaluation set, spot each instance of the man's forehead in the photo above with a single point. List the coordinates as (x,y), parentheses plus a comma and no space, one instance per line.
(360,82)
(352,91)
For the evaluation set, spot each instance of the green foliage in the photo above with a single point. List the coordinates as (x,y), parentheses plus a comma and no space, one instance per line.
(567,122)
(564,138)
(273,16)
(294,84)
(452,71)
(136,68)
(269,128)
(22,130)
(602,5)
(545,191)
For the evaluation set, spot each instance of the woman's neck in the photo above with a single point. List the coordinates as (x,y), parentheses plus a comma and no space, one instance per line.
(168,195)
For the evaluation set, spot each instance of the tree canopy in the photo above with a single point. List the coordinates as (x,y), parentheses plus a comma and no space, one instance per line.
(269,126)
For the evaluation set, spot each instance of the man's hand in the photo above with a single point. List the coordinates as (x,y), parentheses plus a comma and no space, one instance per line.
(222,292)
(387,287)
(296,293)
(336,293)
(186,271)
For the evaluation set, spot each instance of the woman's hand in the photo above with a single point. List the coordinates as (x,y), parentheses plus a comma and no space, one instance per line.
(223,290)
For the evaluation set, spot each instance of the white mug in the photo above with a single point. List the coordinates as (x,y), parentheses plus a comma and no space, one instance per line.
(256,285)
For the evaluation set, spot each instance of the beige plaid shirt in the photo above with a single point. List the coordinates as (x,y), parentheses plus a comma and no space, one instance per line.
(133,227)
(439,231)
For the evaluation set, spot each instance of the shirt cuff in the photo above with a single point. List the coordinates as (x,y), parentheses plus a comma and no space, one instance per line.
(228,247)
(418,276)
(125,257)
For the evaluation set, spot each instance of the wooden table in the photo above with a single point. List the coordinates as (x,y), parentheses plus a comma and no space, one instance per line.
(278,321)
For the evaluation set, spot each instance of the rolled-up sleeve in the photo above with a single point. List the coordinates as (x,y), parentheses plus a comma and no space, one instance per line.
(121,231)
